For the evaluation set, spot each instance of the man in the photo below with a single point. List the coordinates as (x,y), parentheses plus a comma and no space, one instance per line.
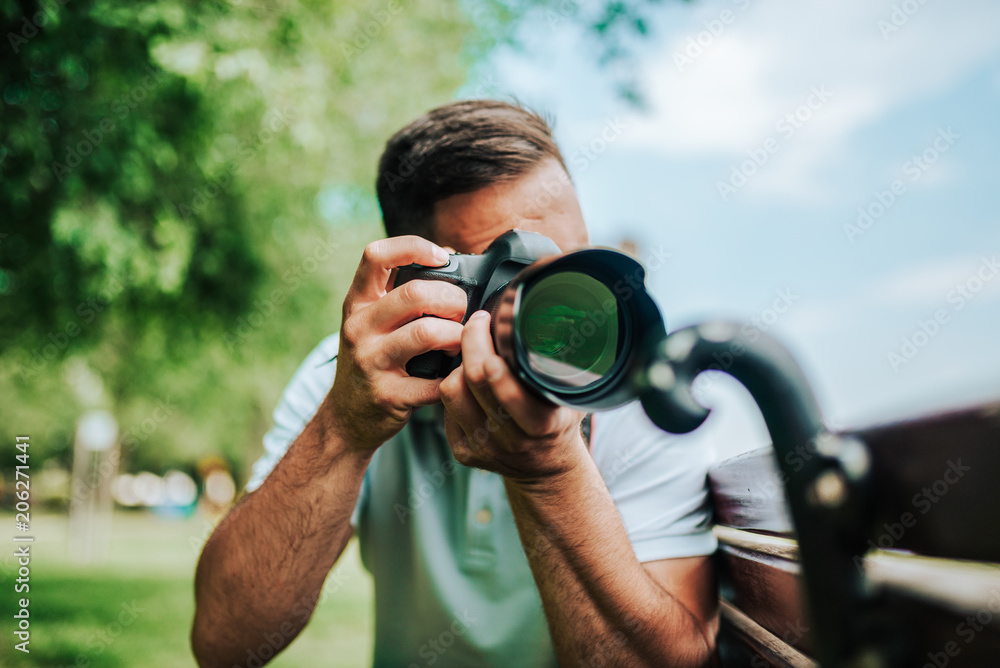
(537,548)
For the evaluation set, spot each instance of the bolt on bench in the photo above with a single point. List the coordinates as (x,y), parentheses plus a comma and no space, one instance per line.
(879,547)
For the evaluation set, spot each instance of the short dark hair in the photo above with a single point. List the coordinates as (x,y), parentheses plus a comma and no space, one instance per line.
(456,148)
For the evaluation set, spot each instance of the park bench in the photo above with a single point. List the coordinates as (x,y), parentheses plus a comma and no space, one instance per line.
(879,547)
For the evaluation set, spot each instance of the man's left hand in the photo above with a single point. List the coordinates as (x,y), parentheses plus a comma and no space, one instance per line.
(495,423)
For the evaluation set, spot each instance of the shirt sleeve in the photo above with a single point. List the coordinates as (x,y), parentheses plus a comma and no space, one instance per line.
(659,483)
(297,406)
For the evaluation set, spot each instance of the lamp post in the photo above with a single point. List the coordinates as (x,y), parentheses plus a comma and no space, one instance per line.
(95,464)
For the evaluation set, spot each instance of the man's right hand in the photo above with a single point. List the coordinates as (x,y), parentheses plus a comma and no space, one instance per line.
(295,526)
(382,329)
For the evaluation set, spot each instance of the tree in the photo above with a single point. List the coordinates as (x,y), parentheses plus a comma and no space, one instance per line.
(161,167)
(186,188)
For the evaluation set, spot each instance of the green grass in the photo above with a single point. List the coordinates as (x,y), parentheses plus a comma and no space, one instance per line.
(135,607)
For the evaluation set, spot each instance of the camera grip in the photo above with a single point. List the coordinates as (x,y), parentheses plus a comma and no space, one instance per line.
(436,363)
(426,365)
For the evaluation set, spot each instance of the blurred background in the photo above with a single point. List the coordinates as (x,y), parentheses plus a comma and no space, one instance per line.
(185,190)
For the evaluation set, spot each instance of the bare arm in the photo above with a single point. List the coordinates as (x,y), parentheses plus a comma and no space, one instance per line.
(262,569)
(603,607)
(270,555)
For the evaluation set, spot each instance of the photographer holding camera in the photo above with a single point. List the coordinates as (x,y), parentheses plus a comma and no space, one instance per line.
(498,531)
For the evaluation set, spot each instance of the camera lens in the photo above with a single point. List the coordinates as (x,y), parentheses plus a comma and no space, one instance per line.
(568,324)
(575,328)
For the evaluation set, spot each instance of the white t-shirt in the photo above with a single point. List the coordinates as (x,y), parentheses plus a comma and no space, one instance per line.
(440,540)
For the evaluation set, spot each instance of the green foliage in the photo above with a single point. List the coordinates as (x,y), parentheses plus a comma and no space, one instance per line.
(99,143)
(185,189)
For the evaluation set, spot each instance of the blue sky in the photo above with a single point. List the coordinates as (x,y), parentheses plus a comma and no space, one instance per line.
(838,103)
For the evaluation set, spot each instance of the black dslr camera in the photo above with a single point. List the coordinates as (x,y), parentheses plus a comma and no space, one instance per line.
(573,327)
(483,277)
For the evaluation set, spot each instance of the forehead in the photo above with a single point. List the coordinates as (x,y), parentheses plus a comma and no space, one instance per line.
(542,200)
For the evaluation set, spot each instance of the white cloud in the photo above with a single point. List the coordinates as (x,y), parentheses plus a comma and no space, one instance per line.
(929,283)
(720,104)
(763,64)
(912,292)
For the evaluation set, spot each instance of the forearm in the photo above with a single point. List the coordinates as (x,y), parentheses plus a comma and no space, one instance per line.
(262,569)
(602,607)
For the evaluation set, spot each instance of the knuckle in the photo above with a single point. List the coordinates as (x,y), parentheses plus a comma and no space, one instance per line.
(449,386)
(413,292)
(350,332)
(462,453)
(421,332)
(384,357)
(374,252)
(475,376)
(382,399)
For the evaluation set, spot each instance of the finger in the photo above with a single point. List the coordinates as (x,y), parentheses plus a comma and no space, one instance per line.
(420,336)
(409,391)
(492,383)
(477,346)
(477,354)
(381,257)
(461,404)
(458,442)
(414,299)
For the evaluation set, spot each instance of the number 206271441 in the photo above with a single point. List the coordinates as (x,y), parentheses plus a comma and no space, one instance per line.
(22,483)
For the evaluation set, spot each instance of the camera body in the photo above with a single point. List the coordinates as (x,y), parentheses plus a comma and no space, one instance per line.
(483,277)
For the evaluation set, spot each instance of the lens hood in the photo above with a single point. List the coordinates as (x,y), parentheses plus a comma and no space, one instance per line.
(638,323)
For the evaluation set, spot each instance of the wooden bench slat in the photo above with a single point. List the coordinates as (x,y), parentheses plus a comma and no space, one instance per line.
(777,546)
(933,477)
(764,576)
(932,485)
(962,587)
(957,585)
(765,644)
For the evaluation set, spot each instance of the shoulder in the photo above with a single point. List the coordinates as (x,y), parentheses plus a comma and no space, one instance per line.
(658,481)
(627,446)
(310,384)
(299,402)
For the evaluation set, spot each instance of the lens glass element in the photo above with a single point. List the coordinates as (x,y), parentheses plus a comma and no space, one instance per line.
(568,323)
